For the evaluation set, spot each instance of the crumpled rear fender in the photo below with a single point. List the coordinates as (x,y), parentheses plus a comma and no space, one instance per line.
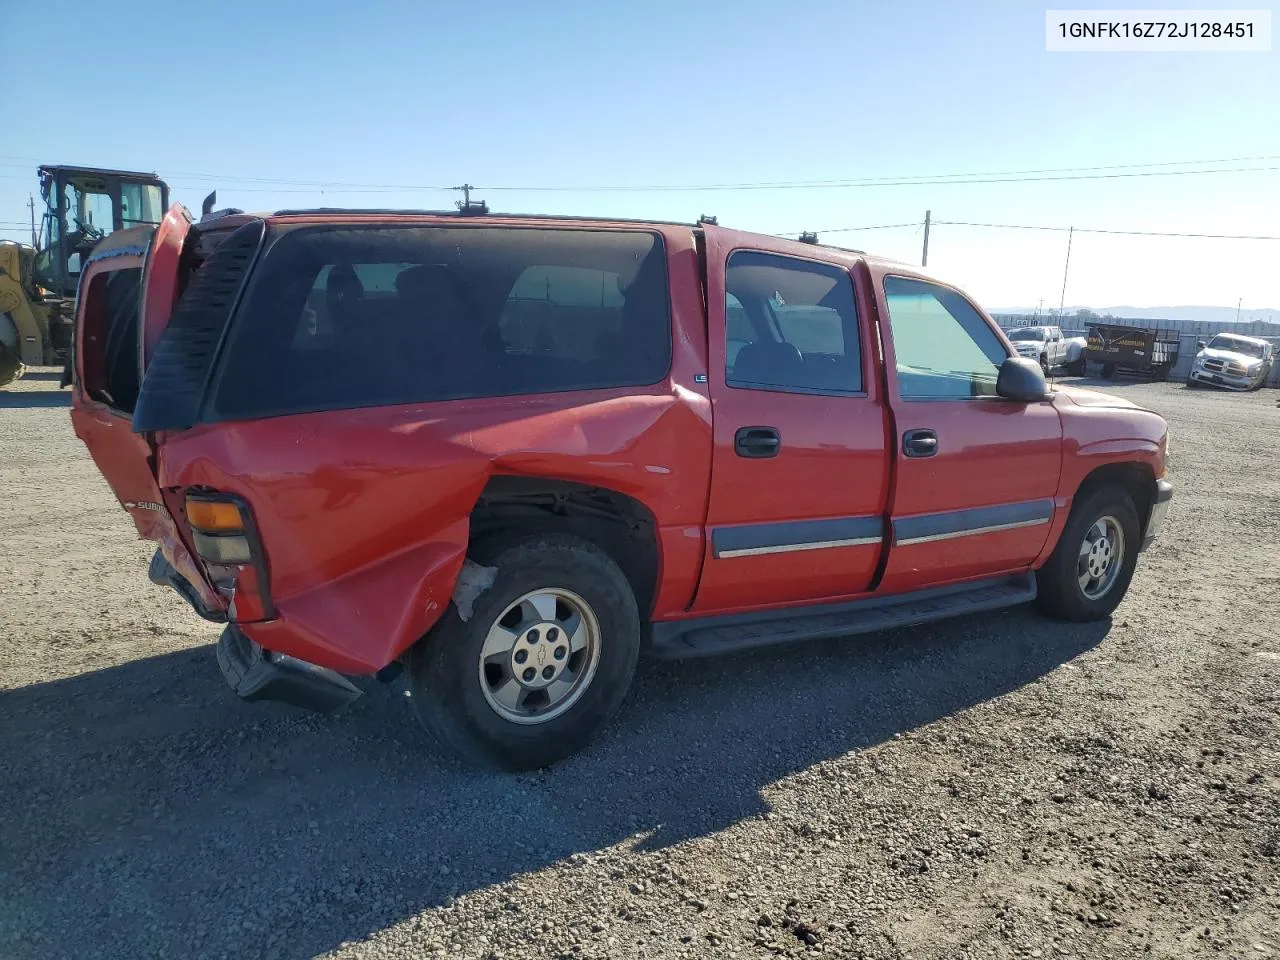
(363,621)
(364,515)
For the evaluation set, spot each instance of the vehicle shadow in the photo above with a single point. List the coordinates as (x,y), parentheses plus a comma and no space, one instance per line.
(19,399)
(143,810)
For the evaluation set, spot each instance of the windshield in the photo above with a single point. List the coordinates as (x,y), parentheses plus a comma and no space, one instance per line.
(1027,333)
(1248,347)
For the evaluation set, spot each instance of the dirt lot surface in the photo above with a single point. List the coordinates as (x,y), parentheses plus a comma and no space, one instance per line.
(999,786)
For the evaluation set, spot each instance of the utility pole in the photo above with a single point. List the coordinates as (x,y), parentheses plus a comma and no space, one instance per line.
(1238,302)
(31,205)
(1065,267)
(924,258)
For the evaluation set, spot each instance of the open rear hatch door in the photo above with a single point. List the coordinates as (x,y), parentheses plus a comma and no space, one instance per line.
(128,290)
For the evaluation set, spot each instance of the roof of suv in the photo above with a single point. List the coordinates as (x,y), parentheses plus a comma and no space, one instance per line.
(225,219)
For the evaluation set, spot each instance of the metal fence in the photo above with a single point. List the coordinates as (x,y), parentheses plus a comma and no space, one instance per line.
(1190,332)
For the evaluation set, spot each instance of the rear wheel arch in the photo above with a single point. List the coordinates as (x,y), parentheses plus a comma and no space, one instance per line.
(515,507)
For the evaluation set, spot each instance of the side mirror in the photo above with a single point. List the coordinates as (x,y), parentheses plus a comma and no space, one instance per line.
(1021,379)
(1200,344)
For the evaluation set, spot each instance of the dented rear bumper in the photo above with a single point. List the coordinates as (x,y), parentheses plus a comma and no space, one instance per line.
(162,573)
(258,674)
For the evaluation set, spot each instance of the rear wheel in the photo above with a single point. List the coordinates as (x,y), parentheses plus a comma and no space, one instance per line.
(1089,570)
(1108,370)
(1076,367)
(543,663)
(1044,364)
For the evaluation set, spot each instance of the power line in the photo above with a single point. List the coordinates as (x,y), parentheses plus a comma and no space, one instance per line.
(1129,233)
(1056,174)
(883,226)
(862,184)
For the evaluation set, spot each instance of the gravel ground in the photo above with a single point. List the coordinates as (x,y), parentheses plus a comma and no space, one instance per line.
(999,786)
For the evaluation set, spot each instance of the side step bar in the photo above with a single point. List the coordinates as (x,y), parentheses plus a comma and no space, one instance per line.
(709,636)
(257,674)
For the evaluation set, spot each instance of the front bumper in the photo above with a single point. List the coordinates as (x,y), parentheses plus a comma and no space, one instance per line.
(1159,511)
(1227,380)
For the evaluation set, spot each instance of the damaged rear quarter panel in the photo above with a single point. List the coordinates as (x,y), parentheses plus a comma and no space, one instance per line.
(364,514)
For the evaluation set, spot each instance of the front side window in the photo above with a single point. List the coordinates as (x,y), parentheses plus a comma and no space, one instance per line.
(346,317)
(790,325)
(89,212)
(943,347)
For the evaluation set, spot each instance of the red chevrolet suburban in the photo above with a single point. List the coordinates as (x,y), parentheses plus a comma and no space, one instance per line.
(510,453)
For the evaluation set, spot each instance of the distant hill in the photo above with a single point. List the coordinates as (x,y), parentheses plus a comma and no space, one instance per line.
(1192,314)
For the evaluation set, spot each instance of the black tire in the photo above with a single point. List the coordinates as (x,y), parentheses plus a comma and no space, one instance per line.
(1044,364)
(1108,371)
(444,668)
(1059,592)
(1077,367)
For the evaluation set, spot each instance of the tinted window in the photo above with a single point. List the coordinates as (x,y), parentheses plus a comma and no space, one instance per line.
(943,346)
(345,317)
(110,334)
(790,325)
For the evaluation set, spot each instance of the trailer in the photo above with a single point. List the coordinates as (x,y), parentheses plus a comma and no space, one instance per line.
(1138,351)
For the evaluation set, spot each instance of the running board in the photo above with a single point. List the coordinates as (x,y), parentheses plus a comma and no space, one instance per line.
(709,636)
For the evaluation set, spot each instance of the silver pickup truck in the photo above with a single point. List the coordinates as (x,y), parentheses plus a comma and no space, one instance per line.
(1233,361)
(1048,345)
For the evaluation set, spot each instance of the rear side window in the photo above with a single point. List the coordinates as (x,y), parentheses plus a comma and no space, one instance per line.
(346,317)
(790,325)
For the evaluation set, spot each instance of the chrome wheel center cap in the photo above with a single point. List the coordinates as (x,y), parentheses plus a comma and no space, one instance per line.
(540,655)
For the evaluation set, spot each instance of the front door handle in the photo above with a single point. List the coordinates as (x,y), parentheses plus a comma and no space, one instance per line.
(920,443)
(757,442)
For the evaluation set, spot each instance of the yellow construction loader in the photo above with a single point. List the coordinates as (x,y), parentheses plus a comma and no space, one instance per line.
(38,283)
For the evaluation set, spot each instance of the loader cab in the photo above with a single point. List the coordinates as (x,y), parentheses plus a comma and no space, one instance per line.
(82,206)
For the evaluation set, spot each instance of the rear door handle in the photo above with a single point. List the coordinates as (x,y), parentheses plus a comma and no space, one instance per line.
(757,443)
(920,443)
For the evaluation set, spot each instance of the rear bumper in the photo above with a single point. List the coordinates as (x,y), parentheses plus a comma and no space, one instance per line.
(1159,511)
(257,674)
(162,573)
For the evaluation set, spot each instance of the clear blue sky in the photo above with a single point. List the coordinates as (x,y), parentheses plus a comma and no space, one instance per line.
(604,94)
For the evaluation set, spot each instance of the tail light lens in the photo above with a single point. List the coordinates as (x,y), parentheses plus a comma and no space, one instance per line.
(226,540)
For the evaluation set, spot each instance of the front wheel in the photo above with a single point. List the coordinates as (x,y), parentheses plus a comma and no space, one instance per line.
(542,664)
(1089,570)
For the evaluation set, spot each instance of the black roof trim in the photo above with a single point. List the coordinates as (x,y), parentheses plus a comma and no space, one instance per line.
(472,215)
(98,171)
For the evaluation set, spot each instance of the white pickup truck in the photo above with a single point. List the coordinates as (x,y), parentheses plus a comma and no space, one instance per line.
(1047,345)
